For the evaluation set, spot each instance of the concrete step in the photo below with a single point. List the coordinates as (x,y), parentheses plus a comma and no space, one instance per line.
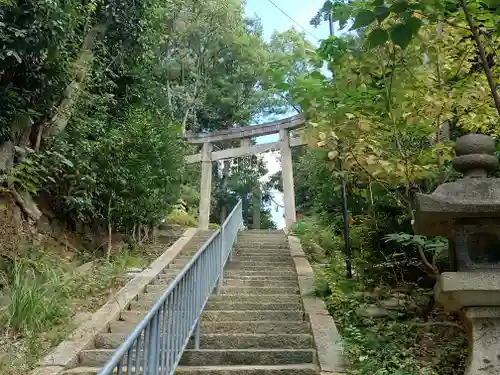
(160,281)
(230,305)
(251,315)
(265,298)
(246,282)
(263,258)
(254,271)
(224,341)
(225,357)
(214,357)
(255,327)
(254,341)
(276,243)
(289,327)
(258,253)
(262,238)
(260,290)
(97,357)
(261,245)
(259,267)
(300,369)
(259,262)
(268,278)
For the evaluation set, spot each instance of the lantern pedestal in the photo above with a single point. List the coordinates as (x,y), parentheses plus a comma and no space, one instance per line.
(457,290)
(477,296)
(483,328)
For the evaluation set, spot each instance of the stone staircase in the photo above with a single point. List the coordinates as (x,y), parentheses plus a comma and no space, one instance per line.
(257,325)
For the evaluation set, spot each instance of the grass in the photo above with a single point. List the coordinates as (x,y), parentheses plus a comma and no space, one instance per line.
(38,297)
(41,299)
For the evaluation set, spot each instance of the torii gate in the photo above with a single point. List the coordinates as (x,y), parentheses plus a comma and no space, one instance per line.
(245,134)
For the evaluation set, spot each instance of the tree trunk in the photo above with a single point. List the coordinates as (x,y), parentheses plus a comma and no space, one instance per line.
(110,227)
(63,113)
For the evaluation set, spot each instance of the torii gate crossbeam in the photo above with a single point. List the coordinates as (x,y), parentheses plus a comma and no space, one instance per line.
(206,157)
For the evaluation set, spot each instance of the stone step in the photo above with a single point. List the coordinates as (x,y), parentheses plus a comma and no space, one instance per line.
(262,252)
(265,298)
(299,369)
(161,281)
(155,290)
(259,267)
(260,290)
(224,357)
(257,271)
(144,303)
(255,327)
(262,238)
(97,357)
(268,278)
(269,262)
(289,327)
(246,282)
(231,305)
(251,315)
(229,315)
(262,256)
(248,244)
(223,341)
(213,357)
(269,243)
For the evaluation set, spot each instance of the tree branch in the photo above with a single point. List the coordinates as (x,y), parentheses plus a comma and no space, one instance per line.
(482,55)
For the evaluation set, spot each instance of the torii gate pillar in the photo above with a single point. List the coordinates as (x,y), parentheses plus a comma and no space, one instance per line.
(205,186)
(287,177)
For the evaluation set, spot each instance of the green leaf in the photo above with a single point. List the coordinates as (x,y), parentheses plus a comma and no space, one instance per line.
(378,37)
(399,6)
(492,3)
(378,2)
(341,13)
(363,18)
(317,75)
(401,35)
(414,24)
(382,13)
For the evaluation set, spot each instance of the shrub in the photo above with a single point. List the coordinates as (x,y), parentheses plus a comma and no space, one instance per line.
(181,218)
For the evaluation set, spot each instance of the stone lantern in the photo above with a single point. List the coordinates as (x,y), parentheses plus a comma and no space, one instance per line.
(467,212)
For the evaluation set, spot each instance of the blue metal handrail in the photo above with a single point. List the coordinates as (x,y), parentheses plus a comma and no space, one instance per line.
(156,344)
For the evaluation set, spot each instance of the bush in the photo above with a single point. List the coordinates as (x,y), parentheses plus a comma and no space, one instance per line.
(213,226)
(181,218)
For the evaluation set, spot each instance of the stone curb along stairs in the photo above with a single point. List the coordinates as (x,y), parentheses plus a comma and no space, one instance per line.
(327,340)
(259,325)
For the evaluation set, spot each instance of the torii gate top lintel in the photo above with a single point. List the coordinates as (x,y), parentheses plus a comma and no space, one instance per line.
(247,131)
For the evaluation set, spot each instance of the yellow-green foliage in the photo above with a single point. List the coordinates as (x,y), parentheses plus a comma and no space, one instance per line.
(181,218)
(213,226)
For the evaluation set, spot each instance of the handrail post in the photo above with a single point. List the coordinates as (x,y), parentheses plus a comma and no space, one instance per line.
(220,282)
(197,335)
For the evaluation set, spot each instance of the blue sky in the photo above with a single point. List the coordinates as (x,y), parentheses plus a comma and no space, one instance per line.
(274,20)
